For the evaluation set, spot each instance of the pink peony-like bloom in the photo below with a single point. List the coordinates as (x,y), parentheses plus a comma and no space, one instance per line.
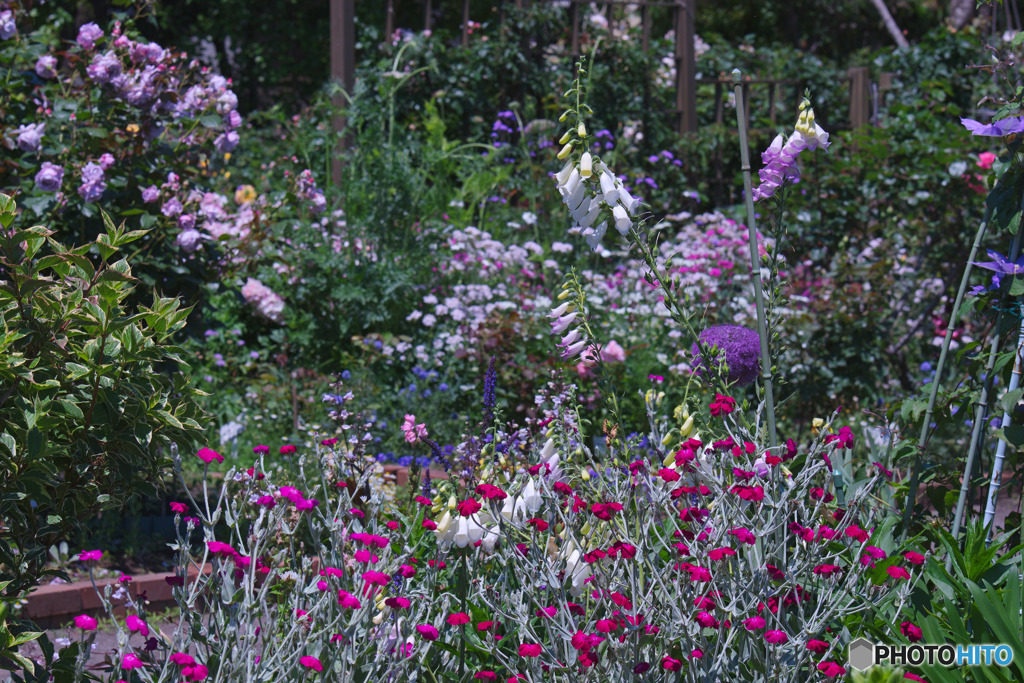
(986,159)
(427,631)
(311,663)
(85,622)
(208,455)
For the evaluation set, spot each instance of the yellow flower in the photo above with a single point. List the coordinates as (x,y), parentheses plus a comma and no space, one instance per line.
(132,128)
(816,425)
(245,194)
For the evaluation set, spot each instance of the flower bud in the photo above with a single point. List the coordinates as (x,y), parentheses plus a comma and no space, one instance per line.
(565,138)
(378,619)
(452,502)
(581,130)
(667,439)
(565,294)
(585,476)
(564,116)
(687,426)
(565,151)
(586,165)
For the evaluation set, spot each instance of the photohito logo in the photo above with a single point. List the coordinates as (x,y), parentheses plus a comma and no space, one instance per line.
(864,654)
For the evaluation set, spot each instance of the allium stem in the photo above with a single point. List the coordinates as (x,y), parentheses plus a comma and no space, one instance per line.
(755,267)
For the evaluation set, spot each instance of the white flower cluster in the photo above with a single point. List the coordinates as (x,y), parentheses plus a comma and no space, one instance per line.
(587,206)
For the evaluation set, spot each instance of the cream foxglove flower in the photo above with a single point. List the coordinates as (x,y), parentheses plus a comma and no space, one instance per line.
(586,165)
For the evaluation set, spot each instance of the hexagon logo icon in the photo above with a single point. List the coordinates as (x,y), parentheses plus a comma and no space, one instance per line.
(861,654)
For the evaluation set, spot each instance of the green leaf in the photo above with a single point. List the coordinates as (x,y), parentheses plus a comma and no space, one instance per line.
(211,120)
(1010,399)
(35,443)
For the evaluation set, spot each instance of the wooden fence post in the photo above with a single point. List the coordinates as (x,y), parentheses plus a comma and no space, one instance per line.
(427,19)
(686,69)
(860,97)
(465,23)
(574,29)
(343,58)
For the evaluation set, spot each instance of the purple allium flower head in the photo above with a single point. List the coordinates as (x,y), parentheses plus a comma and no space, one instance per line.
(739,347)
(30,136)
(49,177)
(8,29)
(88,34)
(46,66)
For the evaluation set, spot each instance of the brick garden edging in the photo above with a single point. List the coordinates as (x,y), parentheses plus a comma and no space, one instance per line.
(55,605)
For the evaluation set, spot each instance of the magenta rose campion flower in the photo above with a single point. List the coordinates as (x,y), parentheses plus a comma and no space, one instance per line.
(311,663)
(85,622)
(208,455)
(87,555)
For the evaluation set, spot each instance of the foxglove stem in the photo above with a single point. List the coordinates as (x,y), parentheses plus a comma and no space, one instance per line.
(755,269)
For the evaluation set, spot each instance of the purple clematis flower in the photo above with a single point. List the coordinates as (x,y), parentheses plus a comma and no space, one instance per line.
(1014,124)
(1001,264)
(1002,267)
